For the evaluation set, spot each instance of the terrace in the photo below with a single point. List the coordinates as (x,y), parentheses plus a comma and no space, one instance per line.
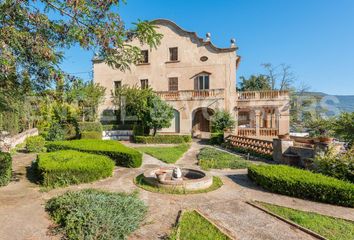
(191,94)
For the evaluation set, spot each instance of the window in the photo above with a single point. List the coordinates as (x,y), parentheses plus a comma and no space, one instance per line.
(201,82)
(117,85)
(174,54)
(173,84)
(144,56)
(144,83)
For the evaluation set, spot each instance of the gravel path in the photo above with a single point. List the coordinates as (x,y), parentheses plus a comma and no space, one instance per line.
(22,214)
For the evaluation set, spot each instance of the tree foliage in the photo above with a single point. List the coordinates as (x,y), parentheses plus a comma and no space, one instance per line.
(34,32)
(142,106)
(343,126)
(87,96)
(160,115)
(255,83)
(221,121)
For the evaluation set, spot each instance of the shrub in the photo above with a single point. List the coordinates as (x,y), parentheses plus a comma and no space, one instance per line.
(35,144)
(111,127)
(221,121)
(340,166)
(303,184)
(163,139)
(216,138)
(122,155)
(90,127)
(70,131)
(55,133)
(91,135)
(72,167)
(5,168)
(94,214)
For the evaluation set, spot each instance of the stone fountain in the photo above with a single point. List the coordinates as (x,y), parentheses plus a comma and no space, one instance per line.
(180,178)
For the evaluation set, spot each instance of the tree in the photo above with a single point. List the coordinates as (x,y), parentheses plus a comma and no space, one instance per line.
(319,126)
(132,102)
(33,33)
(280,76)
(142,106)
(255,83)
(343,126)
(221,121)
(88,96)
(160,114)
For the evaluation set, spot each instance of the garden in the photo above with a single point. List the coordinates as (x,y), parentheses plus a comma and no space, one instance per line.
(106,189)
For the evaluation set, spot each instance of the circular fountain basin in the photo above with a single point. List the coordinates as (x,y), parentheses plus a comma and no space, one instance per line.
(191,180)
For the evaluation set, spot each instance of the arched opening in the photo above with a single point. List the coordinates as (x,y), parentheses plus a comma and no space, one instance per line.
(201,119)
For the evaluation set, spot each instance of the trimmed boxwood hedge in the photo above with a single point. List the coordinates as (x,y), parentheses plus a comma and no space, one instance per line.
(5,168)
(94,214)
(122,155)
(303,184)
(91,135)
(163,139)
(67,167)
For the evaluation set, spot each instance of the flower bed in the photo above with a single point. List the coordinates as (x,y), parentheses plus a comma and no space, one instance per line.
(163,139)
(5,168)
(122,155)
(303,184)
(67,167)
(94,214)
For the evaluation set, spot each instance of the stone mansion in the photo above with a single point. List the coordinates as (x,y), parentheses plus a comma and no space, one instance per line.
(196,78)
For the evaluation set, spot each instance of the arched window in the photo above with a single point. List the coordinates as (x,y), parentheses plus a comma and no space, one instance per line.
(202,81)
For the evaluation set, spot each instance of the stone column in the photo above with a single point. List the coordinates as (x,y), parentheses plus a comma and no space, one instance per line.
(257,117)
(273,119)
(268,118)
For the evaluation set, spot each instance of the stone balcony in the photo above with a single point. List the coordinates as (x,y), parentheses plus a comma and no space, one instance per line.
(262,98)
(191,94)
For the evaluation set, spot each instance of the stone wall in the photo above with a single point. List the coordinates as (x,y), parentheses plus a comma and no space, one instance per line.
(287,151)
(9,142)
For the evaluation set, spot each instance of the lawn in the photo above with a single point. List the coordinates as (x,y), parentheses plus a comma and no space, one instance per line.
(166,154)
(329,227)
(194,226)
(140,182)
(217,159)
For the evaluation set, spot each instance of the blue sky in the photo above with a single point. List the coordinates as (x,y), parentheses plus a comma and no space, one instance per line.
(314,37)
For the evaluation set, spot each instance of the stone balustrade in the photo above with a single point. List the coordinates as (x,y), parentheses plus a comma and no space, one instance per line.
(256,145)
(252,132)
(262,95)
(191,94)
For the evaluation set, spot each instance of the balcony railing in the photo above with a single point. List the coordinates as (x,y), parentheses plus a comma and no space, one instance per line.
(263,132)
(191,94)
(262,95)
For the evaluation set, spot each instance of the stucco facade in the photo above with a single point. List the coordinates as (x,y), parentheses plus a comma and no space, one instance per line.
(195,79)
